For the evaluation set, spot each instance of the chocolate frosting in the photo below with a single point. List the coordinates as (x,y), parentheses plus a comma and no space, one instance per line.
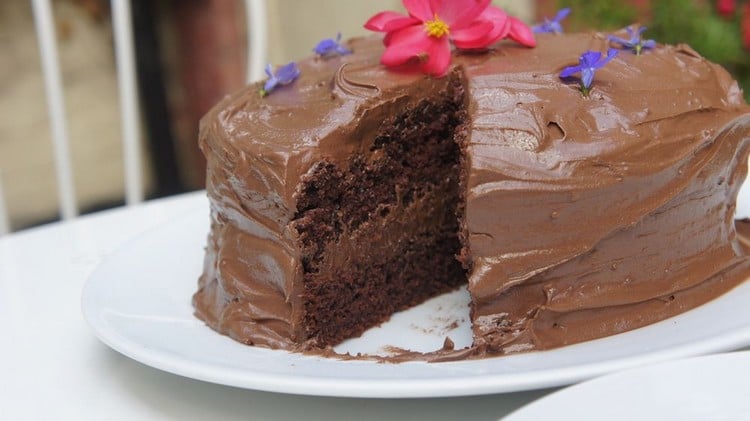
(585,216)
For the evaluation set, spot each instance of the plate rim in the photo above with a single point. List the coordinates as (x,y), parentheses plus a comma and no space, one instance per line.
(471,385)
(703,361)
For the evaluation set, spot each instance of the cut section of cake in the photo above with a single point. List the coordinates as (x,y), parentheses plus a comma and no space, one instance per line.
(380,234)
(357,191)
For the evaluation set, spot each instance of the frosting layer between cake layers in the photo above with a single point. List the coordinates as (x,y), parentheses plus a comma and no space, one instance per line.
(584,217)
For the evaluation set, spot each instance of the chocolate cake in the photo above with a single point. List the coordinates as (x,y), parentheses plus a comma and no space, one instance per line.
(358,190)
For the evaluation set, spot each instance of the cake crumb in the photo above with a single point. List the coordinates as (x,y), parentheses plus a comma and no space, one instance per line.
(448,344)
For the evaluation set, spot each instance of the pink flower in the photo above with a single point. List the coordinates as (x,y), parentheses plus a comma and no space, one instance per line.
(726,7)
(427,32)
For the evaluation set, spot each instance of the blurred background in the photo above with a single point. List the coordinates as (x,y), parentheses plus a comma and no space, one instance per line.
(190,53)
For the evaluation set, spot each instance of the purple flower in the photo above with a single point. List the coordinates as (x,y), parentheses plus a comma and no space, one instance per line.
(552,26)
(330,46)
(635,43)
(589,63)
(284,75)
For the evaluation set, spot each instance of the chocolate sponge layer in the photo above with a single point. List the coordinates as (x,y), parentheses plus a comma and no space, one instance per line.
(382,235)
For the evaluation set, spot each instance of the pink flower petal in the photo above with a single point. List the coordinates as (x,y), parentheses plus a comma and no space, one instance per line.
(500,21)
(436,5)
(493,13)
(475,36)
(521,33)
(387,38)
(405,45)
(420,9)
(438,56)
(459,14)
(389,21)
(501,31)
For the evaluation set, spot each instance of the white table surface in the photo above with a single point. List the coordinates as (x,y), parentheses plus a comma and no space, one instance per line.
(53,368)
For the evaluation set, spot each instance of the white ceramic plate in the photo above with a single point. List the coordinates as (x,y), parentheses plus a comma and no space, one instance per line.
(138,303)
(713,387)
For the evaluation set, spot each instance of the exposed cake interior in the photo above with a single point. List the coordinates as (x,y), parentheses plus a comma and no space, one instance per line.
(382,234)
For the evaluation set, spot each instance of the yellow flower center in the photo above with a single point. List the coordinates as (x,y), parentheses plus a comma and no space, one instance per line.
(436,27)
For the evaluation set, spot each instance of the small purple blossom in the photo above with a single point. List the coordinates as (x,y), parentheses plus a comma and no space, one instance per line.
(284,75)
(552,26)
(589,63)
(635,43)
(329,46)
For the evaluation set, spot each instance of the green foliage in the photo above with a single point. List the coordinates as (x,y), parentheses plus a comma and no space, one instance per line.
(692,22)
(604,15)
(696,24)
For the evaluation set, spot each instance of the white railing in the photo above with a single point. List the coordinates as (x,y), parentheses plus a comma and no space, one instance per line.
(45,29)
(122,25)
(128,92)
(257,32)
(4,223)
